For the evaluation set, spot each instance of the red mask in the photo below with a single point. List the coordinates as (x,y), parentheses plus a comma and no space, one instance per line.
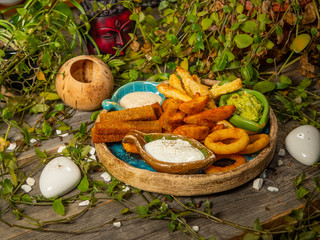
(110,32)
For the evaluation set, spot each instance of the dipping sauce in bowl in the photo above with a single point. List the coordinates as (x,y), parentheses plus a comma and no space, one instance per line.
(174,150)
(139,99)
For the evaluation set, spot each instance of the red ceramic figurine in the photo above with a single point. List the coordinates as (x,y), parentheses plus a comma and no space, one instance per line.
(110,28)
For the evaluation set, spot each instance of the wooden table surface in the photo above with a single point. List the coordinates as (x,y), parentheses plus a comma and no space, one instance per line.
(242,205)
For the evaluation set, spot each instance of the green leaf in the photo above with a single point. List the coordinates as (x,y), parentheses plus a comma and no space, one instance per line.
(49,96)
(247,72)
(39,153)
(59,107)
(171,65)
(243,40)
(124,211)
(264,86)
(58,206)
(256,225)
(84,184)
(206,23)
(195,27)
(94,115)
(280,85)
(46,128)
(300,42)
(26,198)
(83,128)
(142,210)
(172,225)
(163,5)
(192,18)
(249,27)
(38,108)
(308,235)
(156,59)
(251,236)
(284,79)
(302,192)
(46,60)
(297,214)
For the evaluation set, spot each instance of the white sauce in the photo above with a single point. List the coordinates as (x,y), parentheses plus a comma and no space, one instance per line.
(139,99)
(175,151)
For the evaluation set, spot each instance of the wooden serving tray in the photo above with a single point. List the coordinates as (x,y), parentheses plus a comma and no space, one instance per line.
(193,184)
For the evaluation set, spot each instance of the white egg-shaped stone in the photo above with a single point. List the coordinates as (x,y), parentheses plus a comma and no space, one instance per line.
(303,144)
(58,177)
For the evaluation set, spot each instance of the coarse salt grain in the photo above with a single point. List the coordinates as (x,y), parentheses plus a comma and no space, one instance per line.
(196,228)
(126,189)
(30,181)
(33,140)
(117,224)
(106,177)
(273,189)
(84,203)
(257,183)
(281,152)
(26,188)
(280,163)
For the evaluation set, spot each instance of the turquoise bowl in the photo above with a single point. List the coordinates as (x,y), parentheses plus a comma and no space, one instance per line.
(138,86)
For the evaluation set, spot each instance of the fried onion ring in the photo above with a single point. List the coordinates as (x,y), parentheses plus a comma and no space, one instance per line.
(215,144)
(257,142)
(238,158)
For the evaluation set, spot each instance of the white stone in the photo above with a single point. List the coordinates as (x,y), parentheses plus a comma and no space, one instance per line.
(257,183)
(264,174)
(196,228)
(33,140)
(60,149)
(280,163)
(30,181)
(84,203)
(106,176)
(281,152)
(117,224)
(26,188)
(126,189)
(92,150)
(273,189)
(58,177)
(12,146)
(58,131)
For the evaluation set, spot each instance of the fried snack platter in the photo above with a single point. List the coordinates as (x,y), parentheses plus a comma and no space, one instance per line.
(189,184)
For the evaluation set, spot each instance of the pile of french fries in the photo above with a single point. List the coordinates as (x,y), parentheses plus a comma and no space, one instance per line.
(190,107)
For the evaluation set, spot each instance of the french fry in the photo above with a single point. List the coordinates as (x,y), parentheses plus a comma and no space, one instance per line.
(216,91)
(175,82)
(213,115)
(171,92)
(211,104)
(196,78)
(171,104)
(191,84)
(196,105)
(194,131)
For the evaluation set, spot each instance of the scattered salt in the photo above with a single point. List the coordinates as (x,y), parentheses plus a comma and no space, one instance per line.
(58,131)
(26,188)
(126,189)
(273,189)
(281,152)
(117,224)
(257,183)
(33,140)
(195,228)
(106,177)
(280,163)
(84,203)
(30,181)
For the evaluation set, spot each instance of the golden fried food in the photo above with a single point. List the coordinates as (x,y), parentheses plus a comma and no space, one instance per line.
(102,138)
(196,105)
(238,158)
(175,82)
(212,115)
(149,112)
(211,104)
(123,127)
(171,104)
(256,143)
(130,147)
(216,90)
(171,92)
(194,131)
(215,144)
(189,83)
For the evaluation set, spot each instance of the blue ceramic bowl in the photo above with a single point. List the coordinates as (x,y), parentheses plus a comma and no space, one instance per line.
(138,86)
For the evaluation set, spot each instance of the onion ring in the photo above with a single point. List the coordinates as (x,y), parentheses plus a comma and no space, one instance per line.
(215,144)
(257,142)
(239,160)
